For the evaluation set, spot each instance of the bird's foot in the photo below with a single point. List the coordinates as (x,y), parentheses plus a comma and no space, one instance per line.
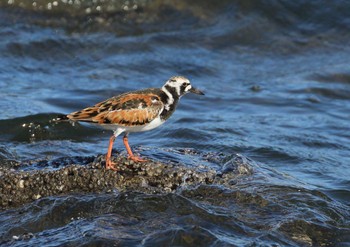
(110,165)
(136,159)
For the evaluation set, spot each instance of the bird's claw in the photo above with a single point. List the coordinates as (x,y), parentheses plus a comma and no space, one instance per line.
(136,159)
(110,165)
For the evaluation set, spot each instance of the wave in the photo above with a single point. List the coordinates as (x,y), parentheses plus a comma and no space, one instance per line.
(304,16)
(40,127)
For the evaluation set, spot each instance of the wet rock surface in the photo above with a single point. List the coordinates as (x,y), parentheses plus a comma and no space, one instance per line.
(18,187)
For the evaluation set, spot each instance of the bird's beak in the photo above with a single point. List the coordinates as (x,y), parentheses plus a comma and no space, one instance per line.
(196,91)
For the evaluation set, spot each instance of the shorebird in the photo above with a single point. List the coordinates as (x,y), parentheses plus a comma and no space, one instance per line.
(135,111)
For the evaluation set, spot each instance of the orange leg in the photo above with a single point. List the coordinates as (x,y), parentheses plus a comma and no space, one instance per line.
(128,149)
(109,163)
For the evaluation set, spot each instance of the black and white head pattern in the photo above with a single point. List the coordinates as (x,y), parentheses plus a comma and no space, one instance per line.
(177,86)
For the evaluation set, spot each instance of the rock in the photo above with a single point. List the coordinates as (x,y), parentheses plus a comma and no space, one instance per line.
(19,187)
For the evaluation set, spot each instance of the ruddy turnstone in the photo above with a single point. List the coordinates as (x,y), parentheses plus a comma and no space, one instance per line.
(135,111)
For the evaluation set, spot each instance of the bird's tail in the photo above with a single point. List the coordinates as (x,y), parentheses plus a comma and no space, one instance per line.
(60,117)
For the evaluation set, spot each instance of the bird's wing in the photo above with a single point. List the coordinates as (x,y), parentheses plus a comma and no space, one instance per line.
(131,109)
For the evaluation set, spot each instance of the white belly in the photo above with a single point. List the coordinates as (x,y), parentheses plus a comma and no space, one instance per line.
(120,129)
(152,125)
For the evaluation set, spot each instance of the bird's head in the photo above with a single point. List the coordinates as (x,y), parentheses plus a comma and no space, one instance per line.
(180,86)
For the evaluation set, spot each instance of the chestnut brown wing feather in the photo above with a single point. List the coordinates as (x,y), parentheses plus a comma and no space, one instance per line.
(131,109)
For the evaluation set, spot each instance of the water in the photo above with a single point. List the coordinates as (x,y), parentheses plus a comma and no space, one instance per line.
(277,81)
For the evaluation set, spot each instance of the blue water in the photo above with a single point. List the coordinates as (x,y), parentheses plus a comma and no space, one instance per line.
(277,81)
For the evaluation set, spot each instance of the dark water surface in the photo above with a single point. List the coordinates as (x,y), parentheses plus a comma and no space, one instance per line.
(277,80)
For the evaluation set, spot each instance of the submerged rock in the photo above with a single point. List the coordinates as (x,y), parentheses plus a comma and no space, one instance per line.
(18,187)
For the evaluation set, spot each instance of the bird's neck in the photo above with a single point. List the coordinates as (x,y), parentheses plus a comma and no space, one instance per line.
(170,99)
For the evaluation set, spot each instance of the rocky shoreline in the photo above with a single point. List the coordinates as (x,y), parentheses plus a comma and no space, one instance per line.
(18,187)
